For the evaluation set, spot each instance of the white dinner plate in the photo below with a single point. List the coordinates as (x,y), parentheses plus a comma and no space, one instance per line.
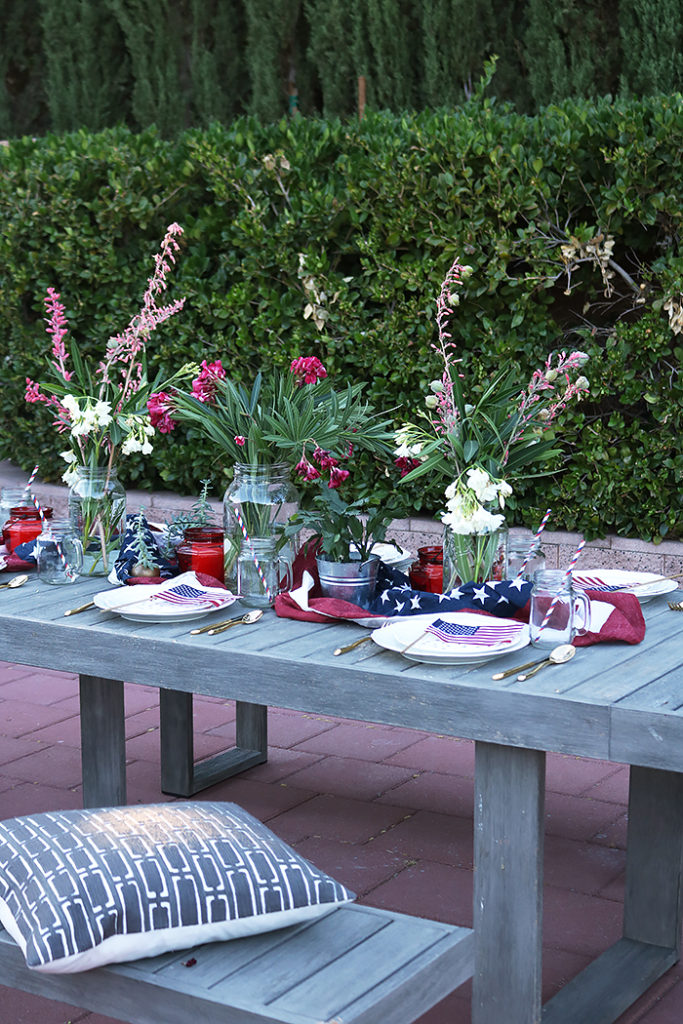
(645,585)
(397,635)
(137,604)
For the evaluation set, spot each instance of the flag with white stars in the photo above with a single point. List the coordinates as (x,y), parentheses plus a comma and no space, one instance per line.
(395,596)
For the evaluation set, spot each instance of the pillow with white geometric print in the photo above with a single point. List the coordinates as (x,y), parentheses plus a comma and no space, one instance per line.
(83,888)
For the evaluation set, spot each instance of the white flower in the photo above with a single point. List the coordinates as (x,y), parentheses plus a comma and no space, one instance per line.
(481,483)
(102,413)
(70,403)
(130,445)
(70,476)
(69,456)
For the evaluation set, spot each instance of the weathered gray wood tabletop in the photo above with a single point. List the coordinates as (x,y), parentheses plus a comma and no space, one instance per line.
(612,701)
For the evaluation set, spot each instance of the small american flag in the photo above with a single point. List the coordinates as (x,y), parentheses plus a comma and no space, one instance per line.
(187,596)
(595,583)
(486,635)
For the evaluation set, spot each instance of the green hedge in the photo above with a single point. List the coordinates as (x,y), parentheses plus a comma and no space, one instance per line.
(377,211)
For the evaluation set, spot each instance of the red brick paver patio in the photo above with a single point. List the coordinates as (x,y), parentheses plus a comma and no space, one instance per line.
(388,811)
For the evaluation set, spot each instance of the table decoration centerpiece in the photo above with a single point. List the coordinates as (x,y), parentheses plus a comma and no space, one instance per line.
(345,534)
(480,439)
(103,413)
(288,423)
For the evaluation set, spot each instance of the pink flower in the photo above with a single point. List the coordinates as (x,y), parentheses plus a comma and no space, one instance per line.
(306,470)
(33,392)
(57,326)
(337,476)
(204,386)
(324,459)
(160,412)
(307,370)
(240,440)
(405,464)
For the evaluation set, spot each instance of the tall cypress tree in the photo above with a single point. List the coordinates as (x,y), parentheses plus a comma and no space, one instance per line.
(457,36)
(395,59)
(331,53)
(85,66)
(153,30)
(269,53)
(22,95)
(652,38)
(571,49)
(217,68)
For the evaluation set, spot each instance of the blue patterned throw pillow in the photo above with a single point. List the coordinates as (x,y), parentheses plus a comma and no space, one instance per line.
(83,888)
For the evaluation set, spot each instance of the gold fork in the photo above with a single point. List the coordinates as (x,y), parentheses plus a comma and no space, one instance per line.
(676,606)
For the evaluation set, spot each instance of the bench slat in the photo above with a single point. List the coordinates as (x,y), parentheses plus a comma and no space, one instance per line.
(357,963)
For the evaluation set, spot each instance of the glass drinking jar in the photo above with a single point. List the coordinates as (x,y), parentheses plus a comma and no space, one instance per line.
(523,552)
(557,613)
(427,573)
(201,550)
(59,553)
(23,525)
(262,572)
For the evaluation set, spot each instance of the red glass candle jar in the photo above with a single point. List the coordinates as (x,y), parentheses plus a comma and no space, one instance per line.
(202,551)
(427,573)
(24,524)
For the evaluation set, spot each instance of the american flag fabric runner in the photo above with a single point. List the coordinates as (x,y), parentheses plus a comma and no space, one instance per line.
(188,597)
(487,635)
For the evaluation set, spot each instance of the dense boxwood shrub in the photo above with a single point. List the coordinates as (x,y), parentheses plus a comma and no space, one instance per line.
(571,221)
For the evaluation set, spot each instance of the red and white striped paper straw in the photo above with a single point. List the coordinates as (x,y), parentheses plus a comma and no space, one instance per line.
(257,564)
(34,473)
(570,569)
(534,541)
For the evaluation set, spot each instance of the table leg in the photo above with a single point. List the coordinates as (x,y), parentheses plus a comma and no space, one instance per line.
(103,741)
(180,774)
(508,884)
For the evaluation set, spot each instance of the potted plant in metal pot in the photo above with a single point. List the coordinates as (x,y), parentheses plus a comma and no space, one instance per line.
(345,534)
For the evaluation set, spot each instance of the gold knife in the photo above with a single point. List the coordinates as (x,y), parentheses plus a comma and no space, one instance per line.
(350,647)
(82,608)
(215,625)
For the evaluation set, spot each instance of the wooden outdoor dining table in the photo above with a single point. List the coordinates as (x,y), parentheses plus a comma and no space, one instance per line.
(612,701)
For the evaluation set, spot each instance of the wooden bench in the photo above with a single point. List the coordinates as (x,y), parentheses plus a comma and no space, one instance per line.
(357,965)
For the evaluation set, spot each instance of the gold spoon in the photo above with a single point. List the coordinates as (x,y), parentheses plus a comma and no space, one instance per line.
(558,656)
(224,622)
(18,581)
(246,620)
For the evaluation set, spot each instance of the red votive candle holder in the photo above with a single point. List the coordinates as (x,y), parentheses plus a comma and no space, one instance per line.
(24,524)
(202,551)
(427,573)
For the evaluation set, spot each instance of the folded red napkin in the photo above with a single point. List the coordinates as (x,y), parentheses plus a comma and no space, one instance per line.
(305,600)
(614,616)
(9,562)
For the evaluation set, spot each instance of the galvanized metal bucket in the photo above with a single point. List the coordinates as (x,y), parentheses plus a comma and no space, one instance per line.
(354,582)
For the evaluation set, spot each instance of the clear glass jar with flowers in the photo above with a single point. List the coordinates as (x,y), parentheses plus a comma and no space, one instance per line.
(103,413)
(293,422)
(482,440)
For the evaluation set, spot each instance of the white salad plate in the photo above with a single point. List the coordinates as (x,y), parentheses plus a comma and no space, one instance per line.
(396,636)
(645,585)
(137,604)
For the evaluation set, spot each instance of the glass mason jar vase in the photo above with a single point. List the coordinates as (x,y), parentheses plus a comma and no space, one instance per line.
(256,507)
(59,553)
(472,557)
(97,510)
